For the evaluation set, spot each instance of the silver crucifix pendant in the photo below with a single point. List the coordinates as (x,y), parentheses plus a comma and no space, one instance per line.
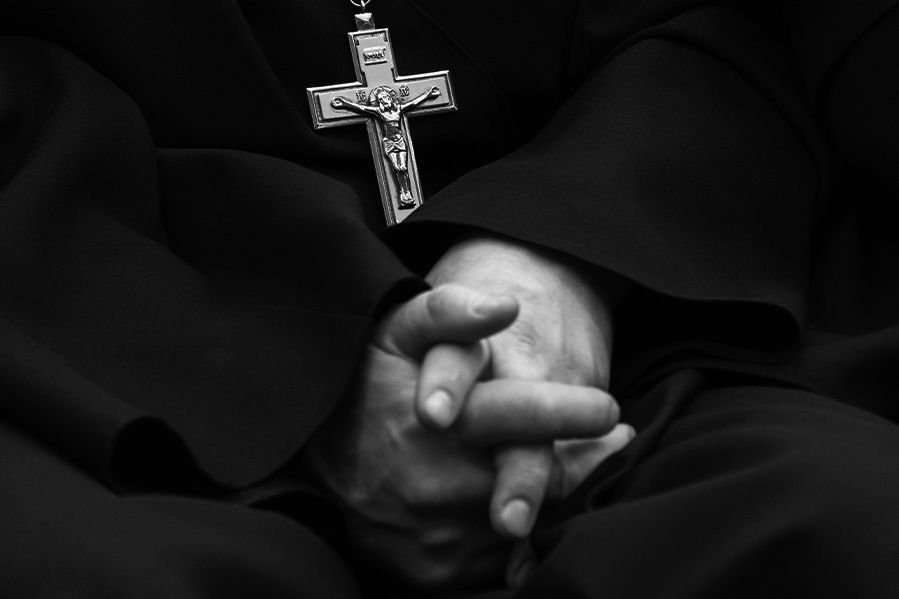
(383,101)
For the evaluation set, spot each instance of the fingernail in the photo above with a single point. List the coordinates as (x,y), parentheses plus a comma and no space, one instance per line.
(516,518)
(487,306)
(439,406)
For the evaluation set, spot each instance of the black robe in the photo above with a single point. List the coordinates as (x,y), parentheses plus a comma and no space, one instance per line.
(189,271)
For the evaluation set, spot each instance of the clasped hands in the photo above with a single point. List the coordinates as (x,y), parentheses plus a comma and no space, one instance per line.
(478,401)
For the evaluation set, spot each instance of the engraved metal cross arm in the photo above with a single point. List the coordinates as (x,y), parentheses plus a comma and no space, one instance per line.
(383,101)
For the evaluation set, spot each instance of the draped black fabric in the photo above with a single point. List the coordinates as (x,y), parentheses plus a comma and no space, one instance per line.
(195,253)
(743,490)
(188,271)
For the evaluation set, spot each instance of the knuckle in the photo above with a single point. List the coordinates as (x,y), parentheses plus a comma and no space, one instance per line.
(526,471)
(577,368)
(430,575)
(421,567)
(437,301)
(457,366)
(458,558)
(456,382)
(519,352)
(530,480)
(452,379)
(438,539)
(619,438)
(525,338)
(422,492)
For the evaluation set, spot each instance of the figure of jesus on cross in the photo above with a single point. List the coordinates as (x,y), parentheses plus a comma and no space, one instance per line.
(385,105)
(384,100)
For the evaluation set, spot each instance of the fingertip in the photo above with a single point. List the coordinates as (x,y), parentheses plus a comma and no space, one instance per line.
(629,431)
(622,432)
(605,412)
(516,518)
(438,409)
(495,306)
(523,472)
(614,413)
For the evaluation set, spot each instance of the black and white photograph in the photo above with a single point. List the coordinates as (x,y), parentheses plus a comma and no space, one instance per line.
(444,299)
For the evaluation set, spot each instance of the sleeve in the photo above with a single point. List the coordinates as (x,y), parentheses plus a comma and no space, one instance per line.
(823,32)
(684,161)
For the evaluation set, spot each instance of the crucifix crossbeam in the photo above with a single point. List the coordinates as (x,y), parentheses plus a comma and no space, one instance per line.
(383,101)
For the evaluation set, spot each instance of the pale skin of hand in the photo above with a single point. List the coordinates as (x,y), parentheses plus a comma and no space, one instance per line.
(416,498)
(563,333)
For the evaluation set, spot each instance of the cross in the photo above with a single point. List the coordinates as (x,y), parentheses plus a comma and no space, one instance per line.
(383,101)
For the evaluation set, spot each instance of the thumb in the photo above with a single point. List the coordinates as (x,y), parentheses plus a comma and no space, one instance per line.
(446,314)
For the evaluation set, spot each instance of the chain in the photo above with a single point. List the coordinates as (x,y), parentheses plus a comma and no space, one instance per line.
(360,3)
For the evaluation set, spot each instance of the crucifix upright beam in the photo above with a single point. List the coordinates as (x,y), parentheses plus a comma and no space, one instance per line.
(384,100)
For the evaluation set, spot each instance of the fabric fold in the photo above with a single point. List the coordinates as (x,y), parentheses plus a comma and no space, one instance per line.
(659,169)
(172,286)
